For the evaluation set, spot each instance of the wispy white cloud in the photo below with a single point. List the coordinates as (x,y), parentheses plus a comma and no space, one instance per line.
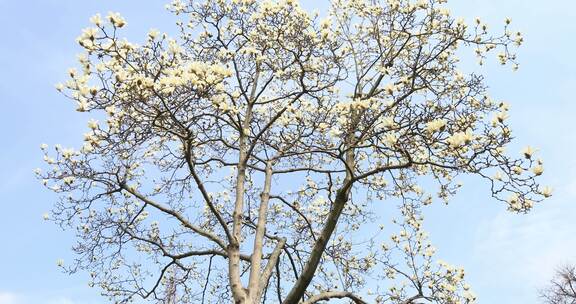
(15,298)
(522,252)
(8,298)
(61,301)
(529,247)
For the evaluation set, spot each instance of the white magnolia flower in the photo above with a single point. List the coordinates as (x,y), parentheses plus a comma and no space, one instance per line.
(67,153)
(528,152)
(116,19)
(498,176)
(153,33)
(435,125)
(93,124)
(390,139)
(96,20)
(546,191)
(538,170)
(68,180)
(460,138)
(82,105)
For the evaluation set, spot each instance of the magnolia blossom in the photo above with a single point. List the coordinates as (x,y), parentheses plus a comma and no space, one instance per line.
(96,20)
(461,138)
(115,19)
(538,169)
(93,124)
(528,152)
(546,191)
(435,125)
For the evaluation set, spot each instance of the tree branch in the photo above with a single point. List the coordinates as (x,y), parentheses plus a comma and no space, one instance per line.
(334,295)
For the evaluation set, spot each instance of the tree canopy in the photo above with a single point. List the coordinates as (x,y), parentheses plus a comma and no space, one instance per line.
(244,160)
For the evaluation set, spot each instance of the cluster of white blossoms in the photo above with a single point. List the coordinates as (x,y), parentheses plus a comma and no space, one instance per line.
(517,203)
(434,279)
(460,139)
(255,147)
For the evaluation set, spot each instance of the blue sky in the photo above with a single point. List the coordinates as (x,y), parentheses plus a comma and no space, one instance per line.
(507,256)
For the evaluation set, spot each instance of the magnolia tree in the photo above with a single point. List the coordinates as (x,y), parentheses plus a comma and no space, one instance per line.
(251,158)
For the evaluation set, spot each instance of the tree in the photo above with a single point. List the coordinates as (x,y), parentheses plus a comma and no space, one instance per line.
(246,159)
(562,289)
